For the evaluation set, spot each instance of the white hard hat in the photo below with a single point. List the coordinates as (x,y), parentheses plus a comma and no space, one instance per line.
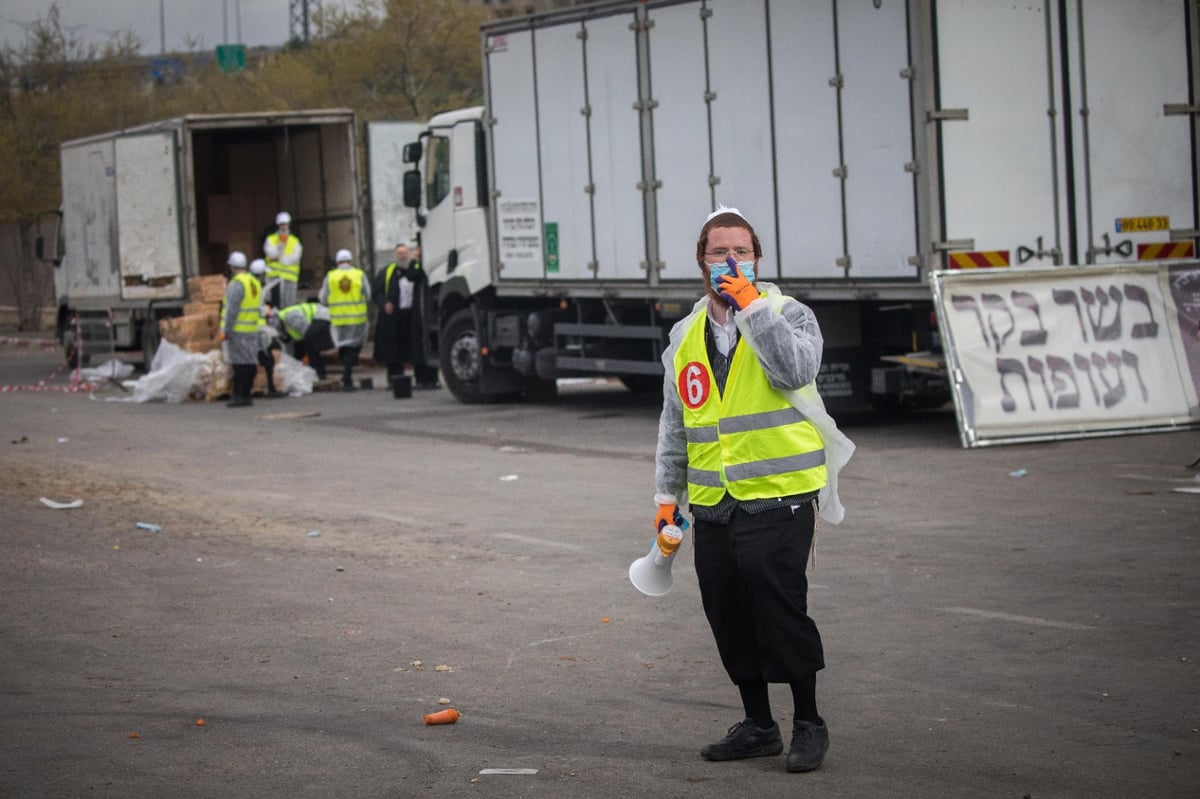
(258,266)
(237,259)
(283,218)
(343,257)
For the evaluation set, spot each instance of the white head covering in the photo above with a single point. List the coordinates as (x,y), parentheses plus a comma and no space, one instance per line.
(722,209)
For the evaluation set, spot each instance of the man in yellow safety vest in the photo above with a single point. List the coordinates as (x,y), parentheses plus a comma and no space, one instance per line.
(239,329)
(745,438)
(283,251)
(346,293)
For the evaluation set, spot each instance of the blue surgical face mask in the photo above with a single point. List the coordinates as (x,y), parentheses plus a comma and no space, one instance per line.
(716,270)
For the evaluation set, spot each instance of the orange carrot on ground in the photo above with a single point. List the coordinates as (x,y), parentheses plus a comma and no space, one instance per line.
(447,716)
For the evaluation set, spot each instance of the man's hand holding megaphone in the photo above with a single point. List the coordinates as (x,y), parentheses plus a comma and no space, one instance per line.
(651,573)
(668,522)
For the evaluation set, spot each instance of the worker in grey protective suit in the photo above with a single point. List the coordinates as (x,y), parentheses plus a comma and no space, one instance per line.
(240,315)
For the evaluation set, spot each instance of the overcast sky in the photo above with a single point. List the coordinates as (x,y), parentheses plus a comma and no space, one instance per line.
(262,22)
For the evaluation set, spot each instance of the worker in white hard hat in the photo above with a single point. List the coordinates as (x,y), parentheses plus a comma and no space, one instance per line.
(268,336)
(306,326)
(346,293)
(283,251)
(240,316)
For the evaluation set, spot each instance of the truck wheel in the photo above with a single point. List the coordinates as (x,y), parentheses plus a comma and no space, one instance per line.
(461,362)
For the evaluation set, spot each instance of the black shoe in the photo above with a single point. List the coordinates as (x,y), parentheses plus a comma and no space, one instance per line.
(810,742)
(428,386)
(349,387)
(745,739)
(275,395)
(238,402)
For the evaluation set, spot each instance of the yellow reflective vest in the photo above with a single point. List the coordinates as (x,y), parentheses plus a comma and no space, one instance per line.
(346,301)
(748,440)
(250,311)
(289,272)
(309,309)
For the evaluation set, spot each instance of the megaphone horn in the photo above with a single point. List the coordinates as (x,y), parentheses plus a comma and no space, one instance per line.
(651,573)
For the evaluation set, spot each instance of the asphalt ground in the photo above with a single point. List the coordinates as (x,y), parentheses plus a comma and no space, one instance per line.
(313,575)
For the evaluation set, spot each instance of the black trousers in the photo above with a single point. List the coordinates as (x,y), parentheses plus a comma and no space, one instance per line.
(316,340)
(348,357)
(267,361)
(243,381)
(755,593)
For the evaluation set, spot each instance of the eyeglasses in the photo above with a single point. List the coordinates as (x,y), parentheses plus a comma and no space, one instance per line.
(741,253)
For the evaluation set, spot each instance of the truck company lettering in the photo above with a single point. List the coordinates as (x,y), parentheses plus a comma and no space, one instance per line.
(517,226)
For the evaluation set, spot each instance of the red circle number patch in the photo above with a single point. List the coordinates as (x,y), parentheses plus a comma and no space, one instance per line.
(694,384)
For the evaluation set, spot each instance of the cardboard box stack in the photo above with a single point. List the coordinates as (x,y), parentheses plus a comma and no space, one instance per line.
(197,329)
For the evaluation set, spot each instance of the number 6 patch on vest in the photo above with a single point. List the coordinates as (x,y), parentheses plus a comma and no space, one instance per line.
(694,384)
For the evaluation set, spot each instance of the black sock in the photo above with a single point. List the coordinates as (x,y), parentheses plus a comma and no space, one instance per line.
(757,702)
(804,697)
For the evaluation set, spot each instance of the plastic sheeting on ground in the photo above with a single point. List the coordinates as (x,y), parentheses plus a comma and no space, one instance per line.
(176,375)
(293,377)
(172,377)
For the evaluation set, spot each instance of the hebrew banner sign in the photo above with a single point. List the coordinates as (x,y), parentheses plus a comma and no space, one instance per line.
(1070,352)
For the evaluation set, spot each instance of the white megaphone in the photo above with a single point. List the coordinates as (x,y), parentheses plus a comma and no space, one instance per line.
(651,573)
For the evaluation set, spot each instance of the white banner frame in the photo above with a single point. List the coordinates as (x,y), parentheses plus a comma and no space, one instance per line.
(1071,352)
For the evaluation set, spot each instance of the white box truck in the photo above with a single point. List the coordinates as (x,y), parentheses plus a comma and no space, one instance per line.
(871,142)
(146,208)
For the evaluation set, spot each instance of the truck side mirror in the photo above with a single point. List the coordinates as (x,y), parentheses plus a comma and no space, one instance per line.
(412,152)
(412,188)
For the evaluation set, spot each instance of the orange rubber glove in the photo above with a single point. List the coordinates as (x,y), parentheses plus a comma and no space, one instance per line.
(735,288)
(667,514)
(221,336)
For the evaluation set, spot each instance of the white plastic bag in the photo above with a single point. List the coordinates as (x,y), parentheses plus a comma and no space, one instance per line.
(293,377)
(172,376)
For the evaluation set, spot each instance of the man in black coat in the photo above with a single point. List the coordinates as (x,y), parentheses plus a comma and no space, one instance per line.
(393,294)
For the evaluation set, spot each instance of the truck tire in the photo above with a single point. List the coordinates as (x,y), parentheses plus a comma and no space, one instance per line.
(461,362)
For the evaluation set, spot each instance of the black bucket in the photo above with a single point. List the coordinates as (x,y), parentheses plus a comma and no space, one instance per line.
(402,386)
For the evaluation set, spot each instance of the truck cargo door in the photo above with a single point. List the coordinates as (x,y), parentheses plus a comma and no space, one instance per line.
(391,222)
(515,161)
(740,139)
(681,142)
(614,152)
(877,140)
(567,154)
(89,268)
(998,141)
(151,259)
(806,130)
(1133,157)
